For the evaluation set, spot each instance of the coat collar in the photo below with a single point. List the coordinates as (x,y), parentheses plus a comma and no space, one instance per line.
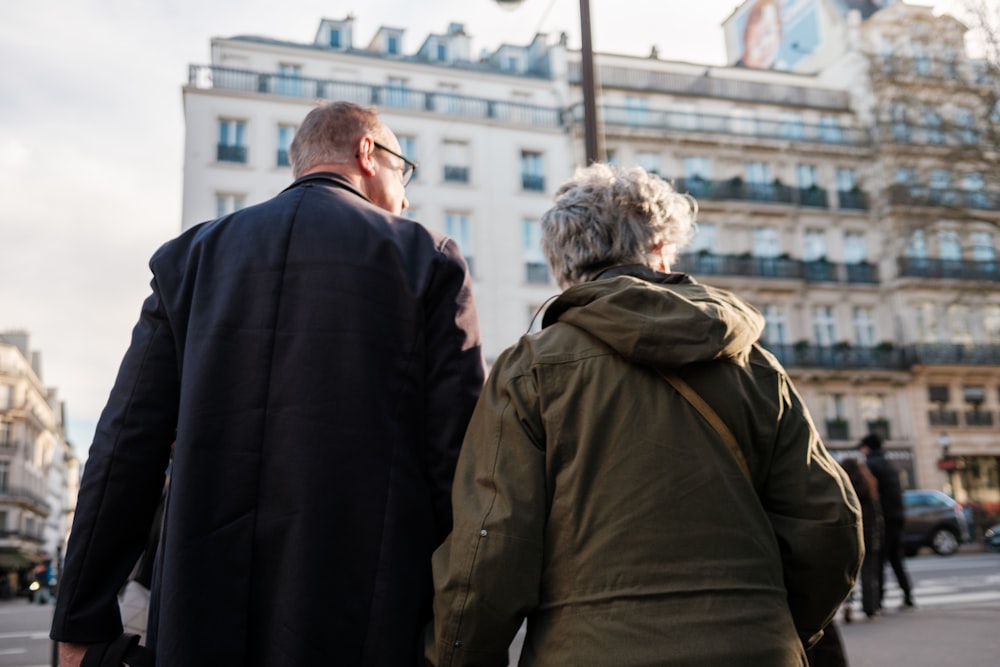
(330,177)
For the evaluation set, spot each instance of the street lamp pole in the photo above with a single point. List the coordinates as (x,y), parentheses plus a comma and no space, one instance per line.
(591,144)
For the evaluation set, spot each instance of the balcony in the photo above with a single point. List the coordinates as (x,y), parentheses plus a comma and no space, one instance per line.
(710,264)
(813,197)
(456,174)
(956,269)
(536,273)
(717,125)
(533,182)
(852,199)
(223,78)
(807,355)
(942,417)
(913,195)
(901,132)
(228,153)
(978,417)
(960,354)
(837,429)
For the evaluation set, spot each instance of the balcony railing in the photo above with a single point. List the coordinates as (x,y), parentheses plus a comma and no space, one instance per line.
(942,417)
(20,535)
(837,429)
(456,174)
(704,85)
(957,269)
(774,192)
(228,153)
(852,199)
(955,353)
(533,182)
(801,355)
(682,121)
(223,78)
(927,68)
(709,264)
(912,195)
(979,418)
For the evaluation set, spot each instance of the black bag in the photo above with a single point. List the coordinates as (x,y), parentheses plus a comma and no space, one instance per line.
(122,651)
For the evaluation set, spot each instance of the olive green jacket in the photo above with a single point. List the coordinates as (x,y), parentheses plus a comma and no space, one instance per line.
(593,500)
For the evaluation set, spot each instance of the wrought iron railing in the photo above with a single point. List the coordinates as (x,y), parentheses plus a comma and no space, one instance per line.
(710,264)
(958,269)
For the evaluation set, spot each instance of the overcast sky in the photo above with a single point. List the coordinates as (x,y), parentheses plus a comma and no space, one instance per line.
(92,134)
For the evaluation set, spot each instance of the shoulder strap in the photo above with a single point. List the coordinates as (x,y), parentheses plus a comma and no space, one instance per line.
(711,416)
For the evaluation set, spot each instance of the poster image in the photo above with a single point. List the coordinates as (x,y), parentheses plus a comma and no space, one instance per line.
(775,34)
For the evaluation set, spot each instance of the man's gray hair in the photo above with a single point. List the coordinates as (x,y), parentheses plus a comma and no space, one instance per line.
(607,216)
(329,133)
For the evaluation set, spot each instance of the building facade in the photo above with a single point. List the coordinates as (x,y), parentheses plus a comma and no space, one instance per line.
(39,474)
(795,167)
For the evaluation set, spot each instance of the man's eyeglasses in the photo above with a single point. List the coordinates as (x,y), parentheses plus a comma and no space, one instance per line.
(409,166)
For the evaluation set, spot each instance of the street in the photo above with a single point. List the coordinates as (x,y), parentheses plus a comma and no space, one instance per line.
(957,620)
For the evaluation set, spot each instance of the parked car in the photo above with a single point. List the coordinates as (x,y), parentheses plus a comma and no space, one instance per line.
(992,538)
(933,519)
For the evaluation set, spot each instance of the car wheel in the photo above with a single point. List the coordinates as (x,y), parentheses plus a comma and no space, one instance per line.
(944,542)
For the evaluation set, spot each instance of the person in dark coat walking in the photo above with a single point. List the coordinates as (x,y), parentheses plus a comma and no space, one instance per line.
(891,500)
(866,487)
(317,359)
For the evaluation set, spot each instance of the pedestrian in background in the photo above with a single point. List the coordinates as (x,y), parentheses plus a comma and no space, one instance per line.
(596,493)
(316,357)
(866,487)
(890,495)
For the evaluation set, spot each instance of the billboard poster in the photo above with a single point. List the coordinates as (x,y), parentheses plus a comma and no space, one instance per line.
(775,34)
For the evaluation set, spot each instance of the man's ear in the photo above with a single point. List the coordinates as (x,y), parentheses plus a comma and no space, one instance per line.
(365,155)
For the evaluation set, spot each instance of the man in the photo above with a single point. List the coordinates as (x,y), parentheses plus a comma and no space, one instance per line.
(596,500)
(316,357)
(890,496)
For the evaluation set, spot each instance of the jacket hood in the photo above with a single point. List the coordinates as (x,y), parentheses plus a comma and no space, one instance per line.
(663,320)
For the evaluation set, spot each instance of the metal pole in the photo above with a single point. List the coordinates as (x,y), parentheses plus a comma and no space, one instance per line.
(591,142)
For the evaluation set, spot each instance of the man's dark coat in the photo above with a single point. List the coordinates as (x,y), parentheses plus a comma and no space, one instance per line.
(316,360)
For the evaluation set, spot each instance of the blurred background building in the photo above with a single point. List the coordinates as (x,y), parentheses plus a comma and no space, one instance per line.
(845,163)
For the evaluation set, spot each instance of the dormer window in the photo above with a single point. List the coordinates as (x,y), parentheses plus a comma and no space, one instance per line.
(336,38)
(442,52)
(392,45)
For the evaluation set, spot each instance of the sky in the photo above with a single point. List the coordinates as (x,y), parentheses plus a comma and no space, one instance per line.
(92,135)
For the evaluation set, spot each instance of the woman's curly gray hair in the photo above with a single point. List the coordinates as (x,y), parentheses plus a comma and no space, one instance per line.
(606,216)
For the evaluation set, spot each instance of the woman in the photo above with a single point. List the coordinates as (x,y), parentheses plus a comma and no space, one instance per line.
(593,498)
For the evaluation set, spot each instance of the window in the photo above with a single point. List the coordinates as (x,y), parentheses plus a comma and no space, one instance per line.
(872,407)
(396,92)
(636,110)
(938,393)
(974,394)
(3,522)
(408,147)
(682,117)
(232,141)
(704,239)
(532,172)
(991,324)
(649,161)
(973,185)
(456,161)
(834,406)
(392,45)
(814,247)
(966,126)
(806,175)
(451,103)
(697,167)
(983,250)
(285,135)
(5,440)
(940,187)
(916,244)
(906,176)
(536,270)
(744,121)
(846,179)
(791,126)
(775,325)
(921,65)
(932,124)
(959,324)
(855,248)
(442,52)
(228,203)
(765,242)
(758,172)
(4,476)
(456,226)
(949,245)
(864,326)
(824,325)
(926,317)
(290,80)
(829,129)
(900,128)
(336,39)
